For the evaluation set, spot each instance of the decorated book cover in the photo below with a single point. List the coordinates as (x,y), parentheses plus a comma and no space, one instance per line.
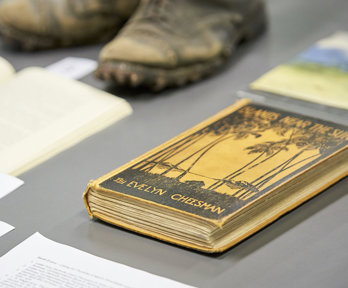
(228,161)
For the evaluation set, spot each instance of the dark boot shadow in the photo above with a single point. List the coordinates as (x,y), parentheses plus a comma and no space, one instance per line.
(143,93)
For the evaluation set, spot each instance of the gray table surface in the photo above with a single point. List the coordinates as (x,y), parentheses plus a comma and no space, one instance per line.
(305,248)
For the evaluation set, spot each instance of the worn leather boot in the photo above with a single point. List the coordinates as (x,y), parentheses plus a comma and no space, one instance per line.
(41,24)
(172,42)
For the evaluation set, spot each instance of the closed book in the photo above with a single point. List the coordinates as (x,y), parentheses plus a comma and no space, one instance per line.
(224,179)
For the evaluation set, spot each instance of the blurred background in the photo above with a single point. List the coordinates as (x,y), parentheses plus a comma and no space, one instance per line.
(303,249)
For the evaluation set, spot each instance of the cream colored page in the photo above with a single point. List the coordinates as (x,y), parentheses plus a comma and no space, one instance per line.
(327,89)
(6,70)
(41,114)
(319,74)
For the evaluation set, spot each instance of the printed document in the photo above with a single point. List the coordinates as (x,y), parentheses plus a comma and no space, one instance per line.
(40,262)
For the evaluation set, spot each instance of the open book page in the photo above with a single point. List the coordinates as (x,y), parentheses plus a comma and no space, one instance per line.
(41,114)
(6,70)
(40,262)
(319,74)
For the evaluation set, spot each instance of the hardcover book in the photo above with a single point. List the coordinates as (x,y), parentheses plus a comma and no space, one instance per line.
(319,74)
(224,179)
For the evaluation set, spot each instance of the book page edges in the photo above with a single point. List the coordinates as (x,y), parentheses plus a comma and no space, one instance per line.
(84,197)
(204,249)
(218,222)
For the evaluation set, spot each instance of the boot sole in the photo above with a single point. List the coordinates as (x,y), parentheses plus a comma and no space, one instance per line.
(157,78)
(31,41)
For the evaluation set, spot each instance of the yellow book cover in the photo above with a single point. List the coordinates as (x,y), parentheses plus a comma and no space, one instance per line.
(236,162)
(319,74)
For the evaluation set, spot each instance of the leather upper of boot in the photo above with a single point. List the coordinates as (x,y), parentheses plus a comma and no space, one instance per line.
(64,17)
(170,33)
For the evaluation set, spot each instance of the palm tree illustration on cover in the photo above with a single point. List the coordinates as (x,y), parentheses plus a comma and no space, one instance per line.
(242,153)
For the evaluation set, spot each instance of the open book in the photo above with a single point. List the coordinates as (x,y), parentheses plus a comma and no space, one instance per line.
(42,114)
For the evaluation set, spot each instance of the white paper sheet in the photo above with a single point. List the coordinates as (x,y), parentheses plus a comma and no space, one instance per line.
(73,67)
(5,228)
(40,262)
(8,184)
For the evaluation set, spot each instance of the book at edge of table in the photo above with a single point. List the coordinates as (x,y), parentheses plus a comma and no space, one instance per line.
(224,179)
